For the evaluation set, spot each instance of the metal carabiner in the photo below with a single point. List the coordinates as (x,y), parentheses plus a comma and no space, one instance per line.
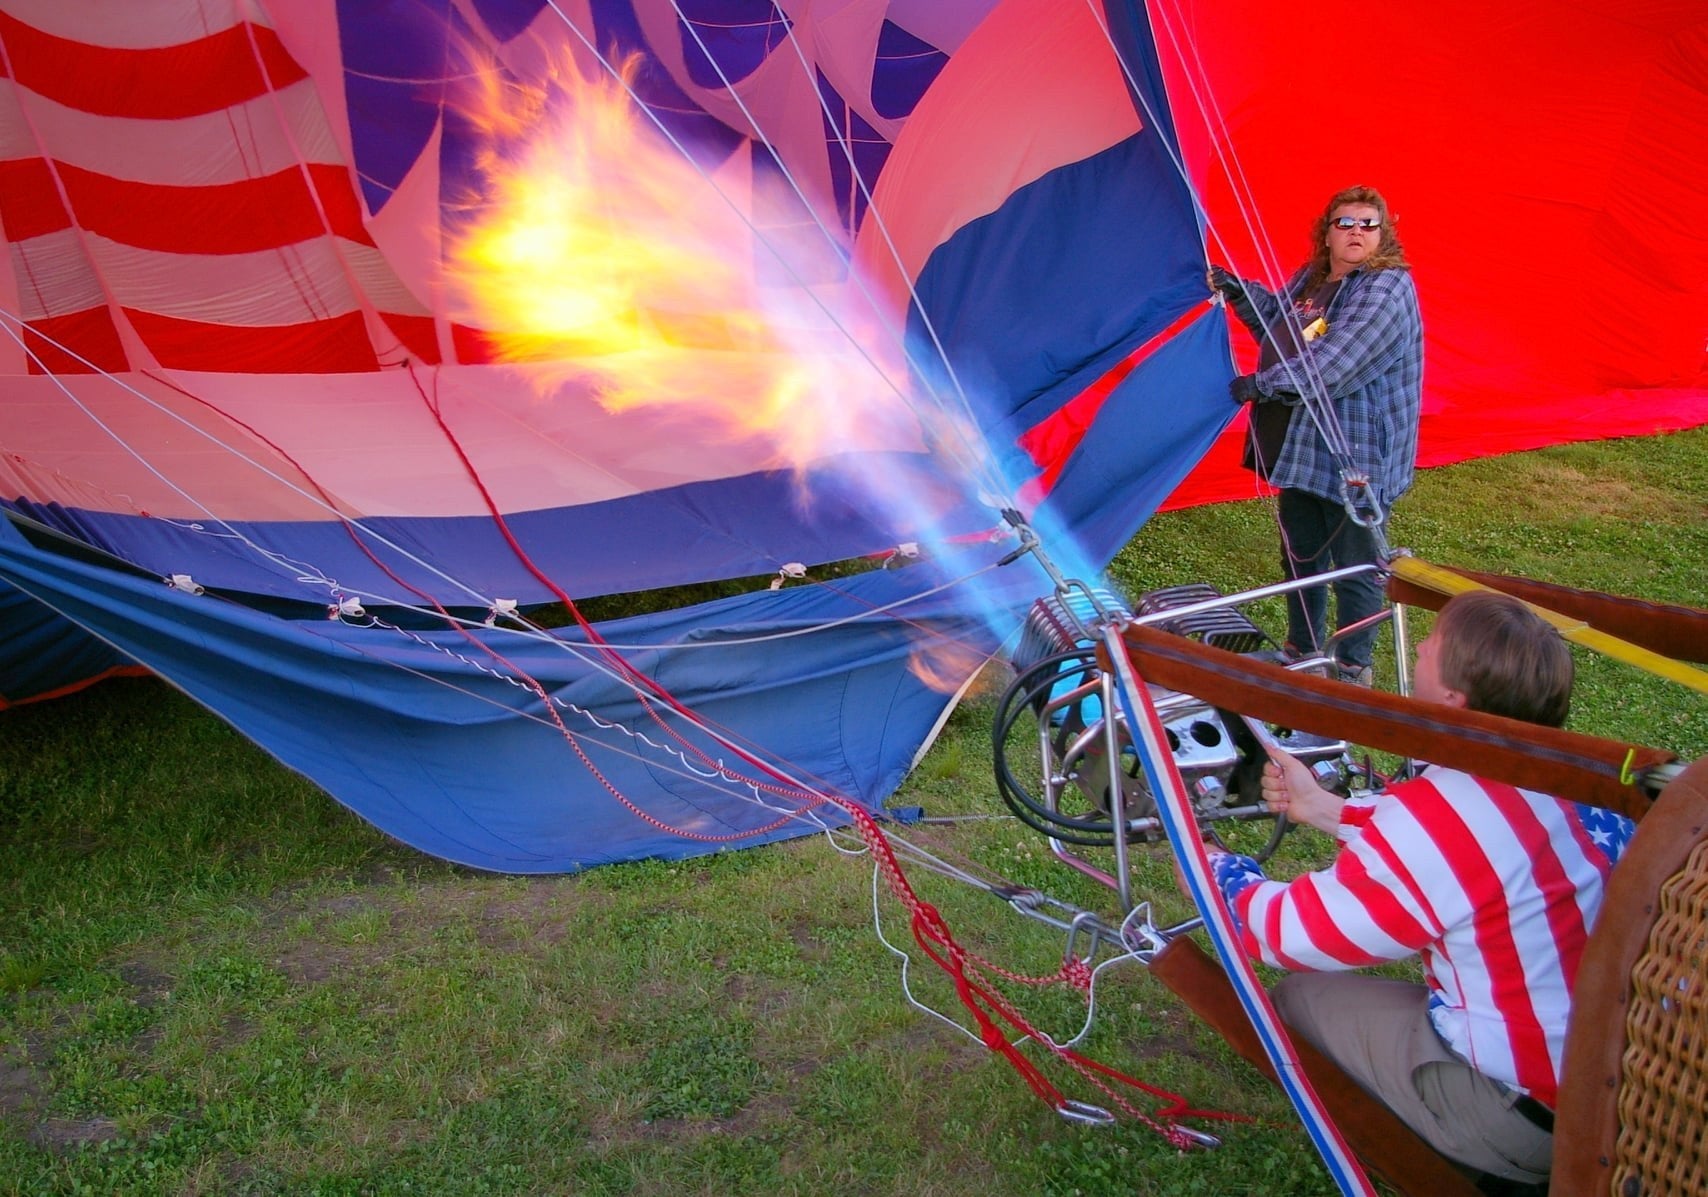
(1201,1138)
(1081,1111)
(1352,484)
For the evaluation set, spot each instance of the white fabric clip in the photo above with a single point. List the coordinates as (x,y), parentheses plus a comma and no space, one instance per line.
(185,583)
(500,607)
(793,569)
(346,608)
(908,550)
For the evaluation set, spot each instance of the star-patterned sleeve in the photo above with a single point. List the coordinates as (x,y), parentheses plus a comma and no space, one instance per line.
(1360,910)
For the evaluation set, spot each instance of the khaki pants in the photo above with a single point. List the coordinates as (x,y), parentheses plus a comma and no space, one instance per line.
(1378,1031)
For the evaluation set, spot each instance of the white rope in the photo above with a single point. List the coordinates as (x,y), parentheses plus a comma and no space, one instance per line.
(920,857)
(590,655)
(1311,391)
(8,319)
(722,776)
(305,572)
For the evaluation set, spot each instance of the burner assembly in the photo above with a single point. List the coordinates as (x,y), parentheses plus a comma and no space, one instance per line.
(1065,763)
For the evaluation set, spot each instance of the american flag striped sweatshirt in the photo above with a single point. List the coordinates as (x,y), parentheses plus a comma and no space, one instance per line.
(1495,887)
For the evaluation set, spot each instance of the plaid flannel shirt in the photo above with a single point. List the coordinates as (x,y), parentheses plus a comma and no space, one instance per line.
(1370,362)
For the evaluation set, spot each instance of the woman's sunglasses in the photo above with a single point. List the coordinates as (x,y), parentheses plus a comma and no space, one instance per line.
(1356,222)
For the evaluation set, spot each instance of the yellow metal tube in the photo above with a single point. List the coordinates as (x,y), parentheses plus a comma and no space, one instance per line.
(1445,581)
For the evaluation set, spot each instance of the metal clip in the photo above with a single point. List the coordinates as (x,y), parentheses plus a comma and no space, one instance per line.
(1202,1138)
(1080,1111)
(347,607)
(1140,936)
(1355,484)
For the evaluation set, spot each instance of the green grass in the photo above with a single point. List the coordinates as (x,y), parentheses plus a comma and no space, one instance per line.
(213,979)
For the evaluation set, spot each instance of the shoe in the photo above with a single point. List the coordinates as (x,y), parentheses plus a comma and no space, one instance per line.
(1357,675)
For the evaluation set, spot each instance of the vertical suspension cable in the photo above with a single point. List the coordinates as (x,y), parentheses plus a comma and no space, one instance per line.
(971,461)
(1312,393)
(628,89)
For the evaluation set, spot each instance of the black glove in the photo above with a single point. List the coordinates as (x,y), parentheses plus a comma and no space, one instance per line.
(1244,389)
(1226,282)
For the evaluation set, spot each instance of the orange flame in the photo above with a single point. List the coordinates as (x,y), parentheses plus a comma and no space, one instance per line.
(598,245)
(945,665)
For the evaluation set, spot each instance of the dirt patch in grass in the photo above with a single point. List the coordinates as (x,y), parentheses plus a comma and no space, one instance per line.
(1169,1043)
(20,1081)
(763,997)
(223,1173)
(312,963)
(530,919)
(234,1031)
(148,978)
(533,921)
(920,1035)
(529,913)
(324,953)
(807,941)
(23,1097)
(61,1135)
(1594,496)
(765,1112)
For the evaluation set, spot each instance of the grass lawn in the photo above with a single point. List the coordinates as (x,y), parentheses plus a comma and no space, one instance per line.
(213,979)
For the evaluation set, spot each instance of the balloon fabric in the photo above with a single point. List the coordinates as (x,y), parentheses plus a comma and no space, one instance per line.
(295,359)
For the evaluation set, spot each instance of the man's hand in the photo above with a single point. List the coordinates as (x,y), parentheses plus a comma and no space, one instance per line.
(1180,874)
(1180,881)
(1289,789)
(1243,389)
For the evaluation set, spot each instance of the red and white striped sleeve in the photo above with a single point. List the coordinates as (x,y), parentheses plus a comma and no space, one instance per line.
(1368,907)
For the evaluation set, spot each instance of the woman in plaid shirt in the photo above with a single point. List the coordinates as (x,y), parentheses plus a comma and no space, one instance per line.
(1346,331)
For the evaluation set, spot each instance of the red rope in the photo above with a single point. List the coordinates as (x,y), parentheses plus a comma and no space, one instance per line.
(515,670)
(930,931)
(989,1008)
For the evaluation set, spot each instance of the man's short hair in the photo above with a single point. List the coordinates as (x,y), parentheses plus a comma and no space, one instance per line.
(1504,658)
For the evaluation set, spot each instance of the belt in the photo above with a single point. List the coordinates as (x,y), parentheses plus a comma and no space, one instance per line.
(1537,1114)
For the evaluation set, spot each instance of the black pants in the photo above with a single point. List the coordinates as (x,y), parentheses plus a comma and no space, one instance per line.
(1317,536)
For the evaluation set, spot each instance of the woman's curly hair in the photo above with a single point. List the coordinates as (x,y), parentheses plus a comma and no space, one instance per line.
(1389,255)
